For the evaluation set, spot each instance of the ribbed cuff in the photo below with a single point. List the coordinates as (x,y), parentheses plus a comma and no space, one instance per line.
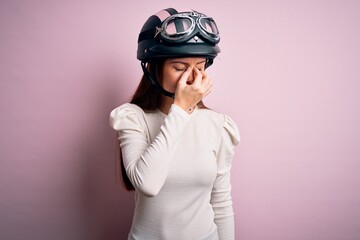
(176,109)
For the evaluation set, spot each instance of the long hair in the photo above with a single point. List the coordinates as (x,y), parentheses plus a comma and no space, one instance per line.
(147,98)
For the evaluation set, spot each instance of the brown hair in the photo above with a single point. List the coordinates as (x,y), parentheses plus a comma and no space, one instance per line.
(147,98)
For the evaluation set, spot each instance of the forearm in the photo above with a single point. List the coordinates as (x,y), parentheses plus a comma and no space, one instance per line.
(147,165)
(224,220)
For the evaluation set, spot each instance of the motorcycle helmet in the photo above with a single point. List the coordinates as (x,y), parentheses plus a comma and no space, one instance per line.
(173,34)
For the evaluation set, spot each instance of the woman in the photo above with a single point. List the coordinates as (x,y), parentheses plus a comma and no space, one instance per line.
(176,153)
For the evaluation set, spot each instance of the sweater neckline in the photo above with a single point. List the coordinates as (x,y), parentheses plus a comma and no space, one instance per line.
(161,113)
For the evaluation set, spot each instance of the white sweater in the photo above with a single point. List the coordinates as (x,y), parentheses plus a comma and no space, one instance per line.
(180,166)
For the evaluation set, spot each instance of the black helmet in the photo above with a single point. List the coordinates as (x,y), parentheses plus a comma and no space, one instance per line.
(172,34)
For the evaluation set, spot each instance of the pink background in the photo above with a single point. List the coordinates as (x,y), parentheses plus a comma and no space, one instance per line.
(288,74)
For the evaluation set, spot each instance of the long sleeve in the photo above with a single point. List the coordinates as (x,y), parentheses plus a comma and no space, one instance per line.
(147,166)
(221,194)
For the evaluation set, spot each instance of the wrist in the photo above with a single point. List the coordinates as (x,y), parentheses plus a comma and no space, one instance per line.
(185,107)
(180,104)
(179,109)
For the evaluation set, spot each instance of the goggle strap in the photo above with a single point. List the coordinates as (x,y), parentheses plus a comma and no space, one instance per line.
(179,26)
(171,11)
(151,33)
(148,34)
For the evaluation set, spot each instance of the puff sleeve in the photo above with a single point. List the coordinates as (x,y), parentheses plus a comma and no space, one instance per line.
(147,165)
(221,193)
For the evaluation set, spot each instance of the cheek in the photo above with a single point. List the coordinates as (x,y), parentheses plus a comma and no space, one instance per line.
(170,80)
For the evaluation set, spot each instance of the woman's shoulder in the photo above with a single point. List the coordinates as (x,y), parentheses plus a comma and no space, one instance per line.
(126,112)
(125,107)
(221,120)
(214,115)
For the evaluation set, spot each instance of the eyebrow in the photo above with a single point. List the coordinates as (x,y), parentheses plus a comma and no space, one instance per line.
(185,63)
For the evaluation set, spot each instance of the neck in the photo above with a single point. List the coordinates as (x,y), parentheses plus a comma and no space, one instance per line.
(166,104)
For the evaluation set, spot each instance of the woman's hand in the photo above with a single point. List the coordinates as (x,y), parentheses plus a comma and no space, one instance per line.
(187,93)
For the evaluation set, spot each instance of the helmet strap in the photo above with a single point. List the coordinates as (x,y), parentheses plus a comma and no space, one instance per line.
(153,81)
(209,62)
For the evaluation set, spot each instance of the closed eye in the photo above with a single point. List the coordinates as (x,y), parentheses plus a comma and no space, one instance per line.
(180,69)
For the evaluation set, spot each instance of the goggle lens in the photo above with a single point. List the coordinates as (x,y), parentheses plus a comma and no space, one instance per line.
(178,26)
(209,25)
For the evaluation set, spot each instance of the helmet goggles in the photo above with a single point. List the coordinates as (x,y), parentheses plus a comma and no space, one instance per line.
(182,27)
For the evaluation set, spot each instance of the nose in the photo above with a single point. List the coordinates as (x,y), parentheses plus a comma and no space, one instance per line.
(191,77)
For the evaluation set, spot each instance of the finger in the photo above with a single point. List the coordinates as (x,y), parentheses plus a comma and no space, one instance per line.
(198,77)
(185,76)
(208,90)
(204,74)
(207,84)
(207,81)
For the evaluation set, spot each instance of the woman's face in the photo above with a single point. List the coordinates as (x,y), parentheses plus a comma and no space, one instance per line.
(173,69)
